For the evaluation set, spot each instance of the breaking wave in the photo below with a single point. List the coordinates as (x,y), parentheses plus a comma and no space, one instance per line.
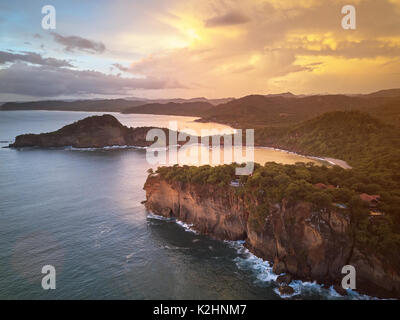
(264,275)
(186,226)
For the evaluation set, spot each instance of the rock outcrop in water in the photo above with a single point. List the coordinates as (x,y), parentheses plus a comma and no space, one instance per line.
(91,132)
(301,242)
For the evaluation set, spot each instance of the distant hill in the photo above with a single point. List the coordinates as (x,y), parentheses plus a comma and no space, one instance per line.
(109,105)
(252,111)
(181,100)
(354,136)
(256,111)
(216,102)
(259,110)
(117,105)
(201,99)
(284,95)
(388,110)
(329,132)
(196,109)
(385,93)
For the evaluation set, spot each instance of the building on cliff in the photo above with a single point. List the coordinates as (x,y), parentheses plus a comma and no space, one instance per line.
(372,200)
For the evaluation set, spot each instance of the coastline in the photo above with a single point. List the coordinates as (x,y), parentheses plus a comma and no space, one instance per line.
(309,245)
(266,274)
(332,161)
(338,162)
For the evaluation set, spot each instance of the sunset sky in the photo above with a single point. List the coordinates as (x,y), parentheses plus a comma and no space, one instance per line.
(192,48)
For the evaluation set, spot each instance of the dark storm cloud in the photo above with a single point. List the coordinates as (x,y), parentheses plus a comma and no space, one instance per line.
(230,18)
(46,81)
(121,67)
(76,43)
(33,58)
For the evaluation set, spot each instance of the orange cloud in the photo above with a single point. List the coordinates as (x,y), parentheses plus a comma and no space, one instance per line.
(239,47)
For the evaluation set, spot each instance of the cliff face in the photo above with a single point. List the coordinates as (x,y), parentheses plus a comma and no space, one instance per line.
(306,244)
(222,218)
(91,132)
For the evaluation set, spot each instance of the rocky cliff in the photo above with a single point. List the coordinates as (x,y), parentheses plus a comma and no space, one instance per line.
(91,132)
(304,243)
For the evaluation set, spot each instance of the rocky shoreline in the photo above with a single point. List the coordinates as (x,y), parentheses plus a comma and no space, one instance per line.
(302,243)
(91,132)
(107,131)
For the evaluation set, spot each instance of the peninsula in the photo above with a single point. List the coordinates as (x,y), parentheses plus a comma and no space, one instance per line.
(91,132)
(308,220)
(308,230)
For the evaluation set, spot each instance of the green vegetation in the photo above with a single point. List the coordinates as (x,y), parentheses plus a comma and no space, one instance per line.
(221,175)
(272,183)
(370,146)
(258,111)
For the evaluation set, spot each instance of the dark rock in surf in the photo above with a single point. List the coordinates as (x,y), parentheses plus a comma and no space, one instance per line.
(284,279)
(286,290)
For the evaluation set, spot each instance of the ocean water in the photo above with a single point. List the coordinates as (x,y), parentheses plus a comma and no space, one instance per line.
(81,211)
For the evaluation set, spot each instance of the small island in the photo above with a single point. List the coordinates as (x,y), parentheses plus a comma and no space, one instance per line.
(91,132)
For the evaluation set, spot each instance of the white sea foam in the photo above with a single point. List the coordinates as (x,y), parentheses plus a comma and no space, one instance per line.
(105,230)
(129,256)
(246,260)
(305,288)
(175,248)
(263,273)
(262,270)
(157,217)
(186,226)
(69,148)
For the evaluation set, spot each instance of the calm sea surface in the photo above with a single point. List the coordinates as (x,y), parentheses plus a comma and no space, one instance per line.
(80,211)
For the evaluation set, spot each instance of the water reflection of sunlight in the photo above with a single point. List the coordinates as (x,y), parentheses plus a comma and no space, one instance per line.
(262,155)
(185,124)
(198,154)
(201,154)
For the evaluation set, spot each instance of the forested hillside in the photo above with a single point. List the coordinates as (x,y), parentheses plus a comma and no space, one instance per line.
(257,111)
